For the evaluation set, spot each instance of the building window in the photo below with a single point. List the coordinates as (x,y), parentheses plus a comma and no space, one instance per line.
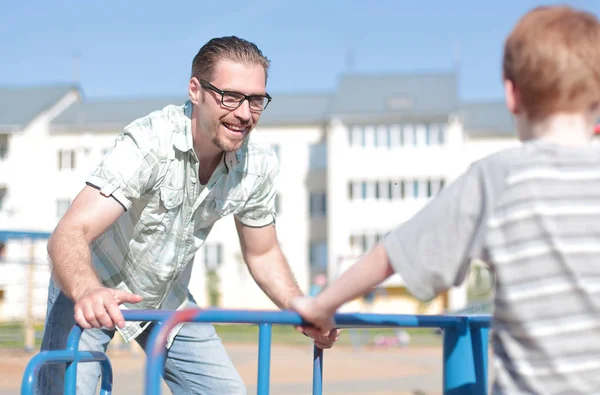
(318,156)
(383,137)
(369,133)
(357,137)
(318,257)
(62,205)
(408,135)
(3,145)
(364,242)
(318,204)
(66,159)
(213,256)
(395,190)
(421,135)
(2,197)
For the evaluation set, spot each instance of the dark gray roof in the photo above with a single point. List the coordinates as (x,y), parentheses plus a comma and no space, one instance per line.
(408,95)
(297,109)
(109,113)
(20,105)
(358,98)
(487,119)
(98,114)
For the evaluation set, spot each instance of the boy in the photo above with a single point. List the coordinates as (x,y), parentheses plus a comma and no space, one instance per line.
(532,213)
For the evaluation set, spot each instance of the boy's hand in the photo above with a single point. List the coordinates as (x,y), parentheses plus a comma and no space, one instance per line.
(311,312)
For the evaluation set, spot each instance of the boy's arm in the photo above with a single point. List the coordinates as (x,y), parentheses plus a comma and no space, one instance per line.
(431,251)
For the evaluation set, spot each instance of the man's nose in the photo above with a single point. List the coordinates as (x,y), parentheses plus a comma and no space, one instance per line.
(243,112)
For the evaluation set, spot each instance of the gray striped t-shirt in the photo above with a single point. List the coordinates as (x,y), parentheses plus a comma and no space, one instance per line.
(533,214)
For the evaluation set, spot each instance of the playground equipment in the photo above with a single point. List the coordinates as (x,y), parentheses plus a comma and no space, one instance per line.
(465,349)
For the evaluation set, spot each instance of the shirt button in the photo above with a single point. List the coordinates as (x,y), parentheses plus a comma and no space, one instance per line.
(193,179)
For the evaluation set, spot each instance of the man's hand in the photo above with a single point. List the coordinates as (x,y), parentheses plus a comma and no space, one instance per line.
(323,333)
(99,307)
(323,341)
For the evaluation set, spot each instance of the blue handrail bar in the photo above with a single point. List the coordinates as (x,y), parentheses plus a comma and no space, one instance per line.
(465,343)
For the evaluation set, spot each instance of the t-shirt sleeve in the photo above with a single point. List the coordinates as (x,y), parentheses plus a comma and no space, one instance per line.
(260,210)
(126,171)
(433,249)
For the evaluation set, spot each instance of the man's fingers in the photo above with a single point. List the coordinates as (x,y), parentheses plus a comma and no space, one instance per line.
(115,314)
(80,319)
(101,314)
(323,346)
(90,317)
(126,297)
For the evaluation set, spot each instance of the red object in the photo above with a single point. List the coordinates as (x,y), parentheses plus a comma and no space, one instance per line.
(597,129)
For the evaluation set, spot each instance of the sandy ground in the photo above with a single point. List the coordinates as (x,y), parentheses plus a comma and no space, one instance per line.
(375,371)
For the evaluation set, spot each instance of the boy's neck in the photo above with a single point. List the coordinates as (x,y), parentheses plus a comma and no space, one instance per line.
(561,129)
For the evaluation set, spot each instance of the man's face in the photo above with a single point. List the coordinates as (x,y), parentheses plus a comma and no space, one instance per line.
(227,127)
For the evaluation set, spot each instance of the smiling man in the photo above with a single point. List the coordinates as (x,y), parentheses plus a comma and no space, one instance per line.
(130,236)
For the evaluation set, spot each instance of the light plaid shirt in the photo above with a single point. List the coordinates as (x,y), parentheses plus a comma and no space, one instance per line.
(152,171)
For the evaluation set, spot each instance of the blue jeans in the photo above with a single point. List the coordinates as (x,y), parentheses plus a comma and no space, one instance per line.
(196,362)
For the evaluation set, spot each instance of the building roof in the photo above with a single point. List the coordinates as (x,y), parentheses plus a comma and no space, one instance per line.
(19,105)
(297,109)
(415,95)
(487,119)
(100,114)
(109,113)
(357,98)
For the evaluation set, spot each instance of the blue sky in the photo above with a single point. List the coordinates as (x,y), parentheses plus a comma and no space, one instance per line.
(144,48)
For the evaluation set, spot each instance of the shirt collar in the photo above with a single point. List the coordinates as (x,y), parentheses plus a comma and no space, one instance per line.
(183,141)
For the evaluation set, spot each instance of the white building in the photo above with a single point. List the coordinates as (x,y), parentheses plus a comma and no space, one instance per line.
(354,163)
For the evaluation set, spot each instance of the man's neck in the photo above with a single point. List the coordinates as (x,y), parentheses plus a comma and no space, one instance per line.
(562,129)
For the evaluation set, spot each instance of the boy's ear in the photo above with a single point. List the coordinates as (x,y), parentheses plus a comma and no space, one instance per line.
(511,95)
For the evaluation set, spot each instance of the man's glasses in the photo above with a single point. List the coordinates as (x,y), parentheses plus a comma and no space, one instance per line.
(235,99)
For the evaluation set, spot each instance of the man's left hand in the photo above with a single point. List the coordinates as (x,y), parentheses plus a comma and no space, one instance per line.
(321,340)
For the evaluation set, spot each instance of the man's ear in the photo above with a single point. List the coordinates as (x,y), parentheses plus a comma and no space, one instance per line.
(195,91)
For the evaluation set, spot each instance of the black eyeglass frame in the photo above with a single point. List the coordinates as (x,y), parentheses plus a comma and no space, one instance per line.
(207,85)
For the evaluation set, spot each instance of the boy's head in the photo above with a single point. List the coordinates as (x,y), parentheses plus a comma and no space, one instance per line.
(551,64)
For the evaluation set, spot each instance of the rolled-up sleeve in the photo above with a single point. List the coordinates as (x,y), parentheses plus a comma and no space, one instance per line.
(260,210)
(125,172)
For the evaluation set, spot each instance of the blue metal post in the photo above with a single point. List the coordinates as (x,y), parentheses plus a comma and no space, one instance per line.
(264,358)
(71,372)
(459,370)
(480,357)
(317,371)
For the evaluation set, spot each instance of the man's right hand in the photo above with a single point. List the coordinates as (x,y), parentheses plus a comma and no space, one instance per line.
(99,307)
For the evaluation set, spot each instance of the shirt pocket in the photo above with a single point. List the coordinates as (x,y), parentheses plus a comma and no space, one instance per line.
(215,208)
(170,206)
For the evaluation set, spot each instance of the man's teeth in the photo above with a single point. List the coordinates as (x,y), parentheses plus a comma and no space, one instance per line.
(235,129)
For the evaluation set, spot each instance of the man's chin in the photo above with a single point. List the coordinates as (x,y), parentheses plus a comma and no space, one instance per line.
(231,146)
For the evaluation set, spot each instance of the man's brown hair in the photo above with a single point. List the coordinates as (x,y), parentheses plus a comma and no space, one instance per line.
(552,56)
(227,48)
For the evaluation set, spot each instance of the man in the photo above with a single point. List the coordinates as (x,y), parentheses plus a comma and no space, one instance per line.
(130,236)
(531,212)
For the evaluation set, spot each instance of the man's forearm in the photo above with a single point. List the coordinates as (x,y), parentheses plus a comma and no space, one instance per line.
(70,255)
(274,276)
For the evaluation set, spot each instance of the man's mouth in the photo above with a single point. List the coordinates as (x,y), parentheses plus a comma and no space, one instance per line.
(235,128)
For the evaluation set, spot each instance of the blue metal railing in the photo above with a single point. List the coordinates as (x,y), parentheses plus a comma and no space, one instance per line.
(465,346)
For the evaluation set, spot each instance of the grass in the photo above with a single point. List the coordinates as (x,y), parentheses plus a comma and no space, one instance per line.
(11,335)
(284,334)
